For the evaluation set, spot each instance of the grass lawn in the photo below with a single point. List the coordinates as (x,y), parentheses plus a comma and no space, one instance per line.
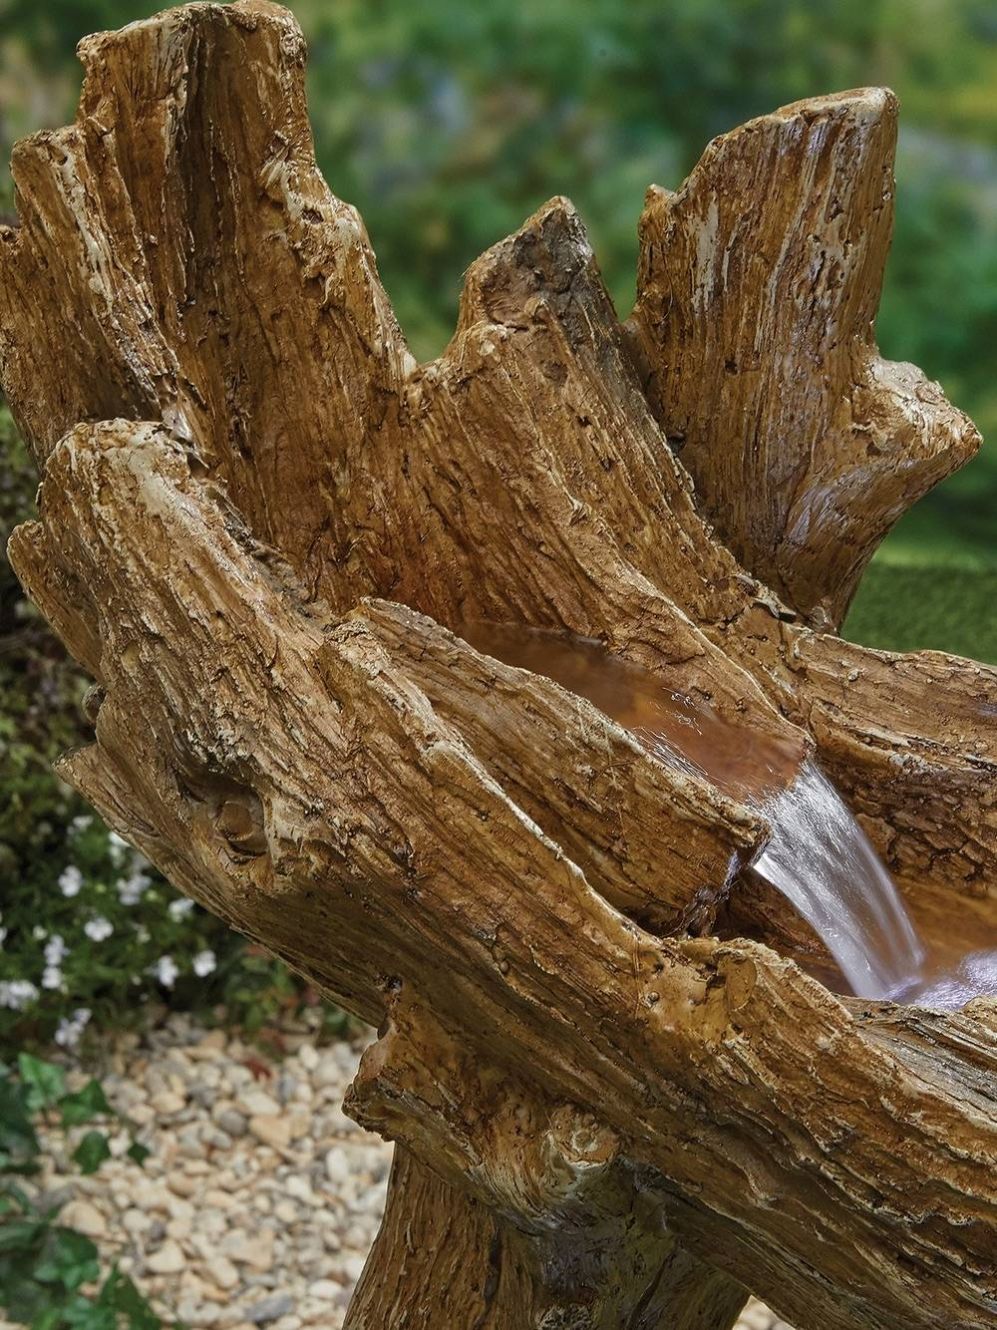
(933,584)
(906,608)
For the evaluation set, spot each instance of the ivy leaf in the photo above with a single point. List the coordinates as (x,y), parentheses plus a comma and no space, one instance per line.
(84,1105)
(21,1236)
(45,1082)
(92,1151)
(23,1298)
(87,1314)
(70,1260)
(129,1302)
(138,1152)
(18,1142)
(13,1198)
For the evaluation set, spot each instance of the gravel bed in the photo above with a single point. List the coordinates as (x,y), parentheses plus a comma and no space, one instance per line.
(260,1198)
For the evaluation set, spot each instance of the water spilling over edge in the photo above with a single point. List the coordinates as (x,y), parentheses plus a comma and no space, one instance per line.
(818,857)
(821,860)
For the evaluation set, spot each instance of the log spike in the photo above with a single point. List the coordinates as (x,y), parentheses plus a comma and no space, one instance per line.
(758,286)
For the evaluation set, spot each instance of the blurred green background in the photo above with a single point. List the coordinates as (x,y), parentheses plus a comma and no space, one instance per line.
(448,123)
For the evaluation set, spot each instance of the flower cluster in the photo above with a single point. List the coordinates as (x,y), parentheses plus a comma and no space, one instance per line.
(105,936)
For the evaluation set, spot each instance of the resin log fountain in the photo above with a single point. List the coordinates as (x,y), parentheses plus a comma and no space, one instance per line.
(617,1096)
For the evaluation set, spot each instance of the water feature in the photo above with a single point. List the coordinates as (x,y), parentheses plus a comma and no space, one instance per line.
(818,856)
(824,864)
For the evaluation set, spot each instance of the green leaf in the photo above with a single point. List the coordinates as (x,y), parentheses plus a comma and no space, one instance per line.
(84,1105)
(129,1302)
(49,1319)
(24,1299)
(18,1142)
(46,1082)
(86,1314)
(71,1259)
(92,1151)
(17,1135)
(8,1166)
(138,1152)
(13,1197)
(21,1236)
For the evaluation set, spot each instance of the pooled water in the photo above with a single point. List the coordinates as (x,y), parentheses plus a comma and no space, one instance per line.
(817,856)
(974,976)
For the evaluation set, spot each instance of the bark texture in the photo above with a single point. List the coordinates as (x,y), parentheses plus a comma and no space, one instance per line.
(263,530)
(443,1258)
(758,287)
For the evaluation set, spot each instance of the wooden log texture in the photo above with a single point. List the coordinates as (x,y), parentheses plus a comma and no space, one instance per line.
(260,524)
(758,287)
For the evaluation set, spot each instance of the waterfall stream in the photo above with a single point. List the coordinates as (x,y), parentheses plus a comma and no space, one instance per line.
(817,856)
(824,864)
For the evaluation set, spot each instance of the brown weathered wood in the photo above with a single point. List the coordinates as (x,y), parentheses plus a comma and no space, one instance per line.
(443,1258)
(264,530)
(758,287)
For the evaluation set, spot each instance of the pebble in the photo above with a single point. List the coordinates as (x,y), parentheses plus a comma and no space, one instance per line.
(259,1200)
(84,1217)
(270,1309)
(257,1104)
(233,1122)
(337,1165)
(272,1129)
(325,1289)
(222,1272)
(168,1260)
(166,1102)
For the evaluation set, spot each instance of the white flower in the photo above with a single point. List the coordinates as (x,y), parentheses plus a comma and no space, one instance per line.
(132,888)
(98,928)
(70,881)
(81,822)
(66,1034)
(166,971)
(55,951)
(17,993)
(203,963)
(3,936)
(69,1031)
(118,847)
(51,976)
(39,933)
(180,907)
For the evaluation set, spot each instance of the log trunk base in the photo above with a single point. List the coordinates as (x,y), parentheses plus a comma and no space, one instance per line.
(444,1259)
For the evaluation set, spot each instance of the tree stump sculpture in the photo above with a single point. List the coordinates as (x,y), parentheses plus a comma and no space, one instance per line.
(617,1098)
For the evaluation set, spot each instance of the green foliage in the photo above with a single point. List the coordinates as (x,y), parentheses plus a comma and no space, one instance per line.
(50,1275)
(84,1105)
(946,608)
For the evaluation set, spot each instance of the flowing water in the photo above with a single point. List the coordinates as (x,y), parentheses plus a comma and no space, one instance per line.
(824,864)
(817,856)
